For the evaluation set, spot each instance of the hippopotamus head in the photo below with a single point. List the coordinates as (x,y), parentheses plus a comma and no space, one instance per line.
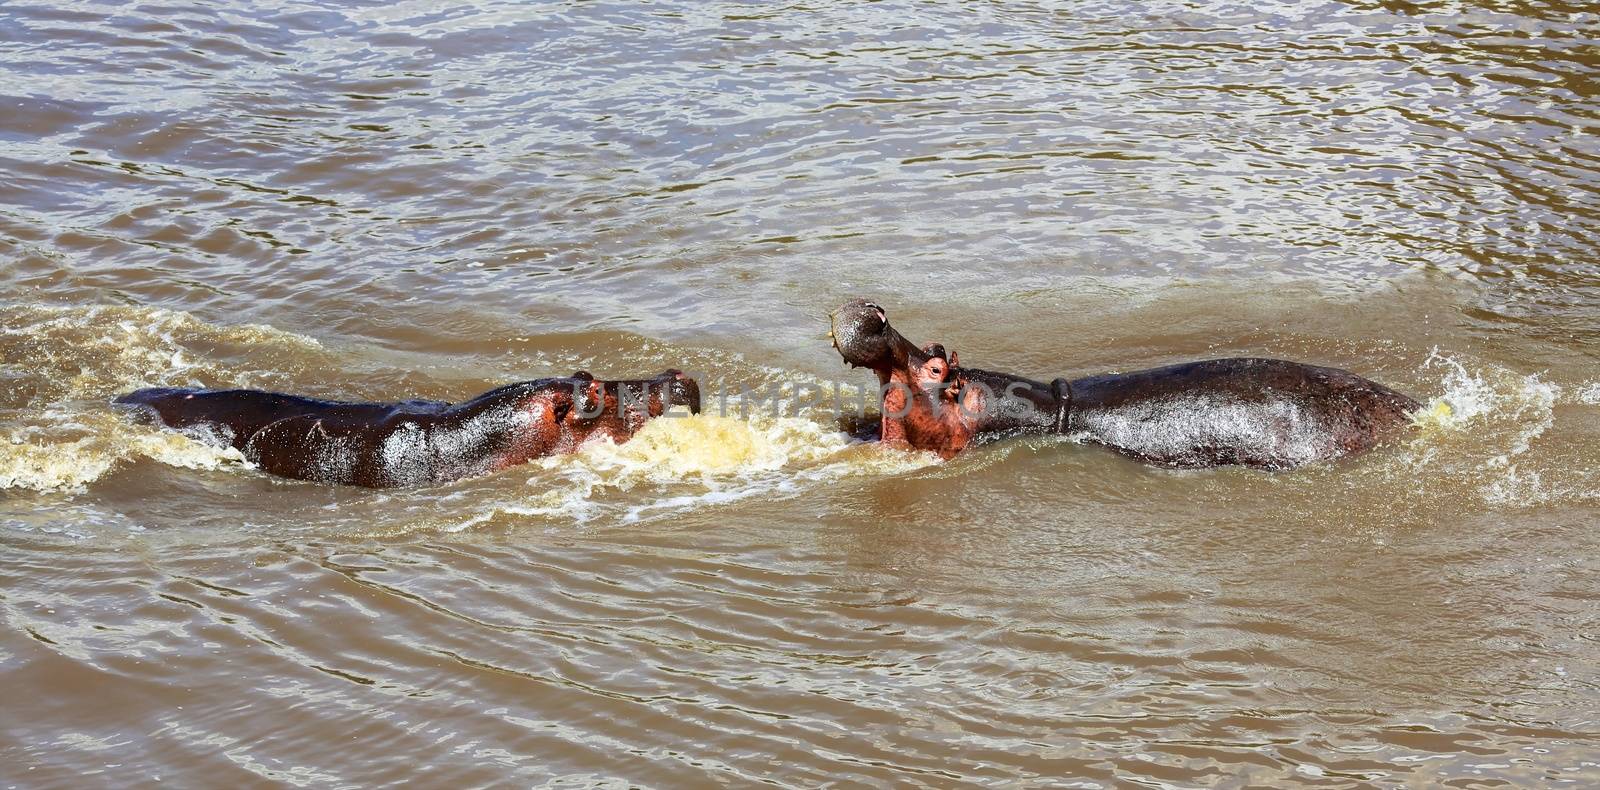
(925,402)
(862,334)
(617,409)
(532,419)
(931,402)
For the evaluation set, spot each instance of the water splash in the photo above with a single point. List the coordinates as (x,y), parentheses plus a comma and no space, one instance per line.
(705,460)
(62,364)
(1589,393)
(1494,396)
(78,450)
(1481,428)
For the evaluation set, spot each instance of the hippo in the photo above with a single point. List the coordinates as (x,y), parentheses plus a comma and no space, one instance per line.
(414,442)
(1263,413)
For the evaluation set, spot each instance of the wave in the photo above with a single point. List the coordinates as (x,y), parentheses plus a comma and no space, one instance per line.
(61,365)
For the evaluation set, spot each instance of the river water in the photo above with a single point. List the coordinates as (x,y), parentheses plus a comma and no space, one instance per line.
(425,199)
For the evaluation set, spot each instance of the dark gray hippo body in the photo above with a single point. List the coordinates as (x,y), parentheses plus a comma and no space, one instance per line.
(1265,413)
(414,442)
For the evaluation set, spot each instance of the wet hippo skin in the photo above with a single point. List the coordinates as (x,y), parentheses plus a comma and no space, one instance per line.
(415,442)
(1265,413)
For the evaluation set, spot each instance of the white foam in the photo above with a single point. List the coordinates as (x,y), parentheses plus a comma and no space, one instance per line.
(1482,428)
(692,462)
(63,434)
(44,458)
(1588,393)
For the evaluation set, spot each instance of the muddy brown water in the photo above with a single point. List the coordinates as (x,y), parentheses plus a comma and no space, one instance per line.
(429,199)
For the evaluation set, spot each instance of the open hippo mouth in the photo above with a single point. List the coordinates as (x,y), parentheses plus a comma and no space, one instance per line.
(862,334)
(929,400)
(925,398)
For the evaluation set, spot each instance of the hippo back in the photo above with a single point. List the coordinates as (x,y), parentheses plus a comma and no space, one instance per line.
(1265,413)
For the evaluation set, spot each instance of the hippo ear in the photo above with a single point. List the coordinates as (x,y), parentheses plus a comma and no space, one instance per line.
(955,360)
(583,374)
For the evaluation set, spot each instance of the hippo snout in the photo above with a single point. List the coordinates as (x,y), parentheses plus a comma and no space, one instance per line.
(681,390)
(861,333)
